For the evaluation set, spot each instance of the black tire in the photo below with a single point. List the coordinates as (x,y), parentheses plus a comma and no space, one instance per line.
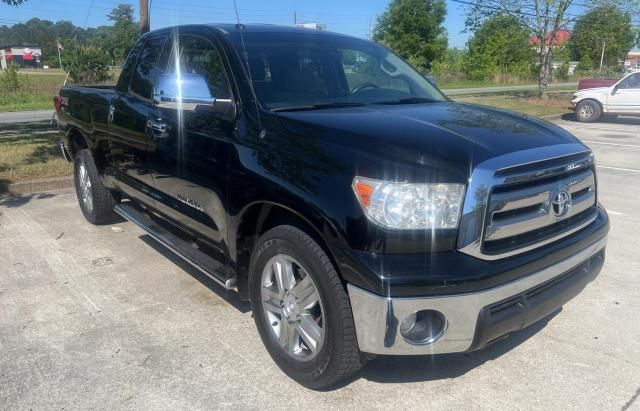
(338,357)
(588,111)
(99,209)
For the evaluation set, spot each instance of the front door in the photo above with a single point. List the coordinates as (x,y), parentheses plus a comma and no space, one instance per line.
(626,97)
(129,128)
(189,160)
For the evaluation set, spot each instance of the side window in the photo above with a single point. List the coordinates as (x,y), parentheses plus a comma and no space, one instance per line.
(127,69)
(362,68)
(199,66)
(633,81)
(146,70)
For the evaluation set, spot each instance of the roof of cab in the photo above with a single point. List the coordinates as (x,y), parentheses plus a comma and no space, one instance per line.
(230,28)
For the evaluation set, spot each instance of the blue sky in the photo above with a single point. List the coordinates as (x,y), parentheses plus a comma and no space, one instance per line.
(345,16)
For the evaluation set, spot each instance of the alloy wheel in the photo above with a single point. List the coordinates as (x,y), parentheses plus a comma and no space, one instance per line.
(85,187)
(292,307)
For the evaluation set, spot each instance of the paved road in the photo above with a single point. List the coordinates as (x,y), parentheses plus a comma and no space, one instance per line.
(26,116)
(502,89)
(103,317)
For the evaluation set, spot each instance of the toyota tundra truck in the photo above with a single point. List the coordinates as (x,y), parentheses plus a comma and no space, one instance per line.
(359,210)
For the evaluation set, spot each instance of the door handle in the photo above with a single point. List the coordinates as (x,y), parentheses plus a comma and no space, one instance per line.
(158,128)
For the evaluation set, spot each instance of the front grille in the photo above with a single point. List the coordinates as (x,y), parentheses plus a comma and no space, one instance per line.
(539,209)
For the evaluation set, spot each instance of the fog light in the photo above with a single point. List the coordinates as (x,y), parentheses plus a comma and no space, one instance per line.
(423,327)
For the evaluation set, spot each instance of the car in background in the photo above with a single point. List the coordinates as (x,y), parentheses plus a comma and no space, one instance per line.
(619,98)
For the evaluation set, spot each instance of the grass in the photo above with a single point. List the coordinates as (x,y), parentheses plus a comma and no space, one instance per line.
(30,151)
(39,95)
(557,103)
(461,84)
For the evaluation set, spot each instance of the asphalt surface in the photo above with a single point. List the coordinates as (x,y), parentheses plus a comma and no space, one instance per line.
(105,318)
(26,116)
(502,89)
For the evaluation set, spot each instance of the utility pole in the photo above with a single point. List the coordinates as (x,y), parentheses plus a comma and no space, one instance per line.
(370,28)
(602,55)
(144,16)
(295,17)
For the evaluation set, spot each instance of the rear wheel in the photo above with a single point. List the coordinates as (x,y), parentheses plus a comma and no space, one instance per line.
(302,310)
(588,111)
(96,201)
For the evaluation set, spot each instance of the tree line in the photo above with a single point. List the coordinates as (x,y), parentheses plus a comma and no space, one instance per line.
(510,37)
(100,47)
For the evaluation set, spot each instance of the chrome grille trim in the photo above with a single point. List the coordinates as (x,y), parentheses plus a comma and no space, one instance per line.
(520,167)
(541,195)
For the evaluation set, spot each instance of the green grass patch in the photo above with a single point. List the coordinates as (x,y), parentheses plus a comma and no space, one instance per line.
(555,104)
(36,93)
(31,151)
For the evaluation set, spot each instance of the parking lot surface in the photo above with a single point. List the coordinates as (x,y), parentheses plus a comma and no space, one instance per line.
(104,317)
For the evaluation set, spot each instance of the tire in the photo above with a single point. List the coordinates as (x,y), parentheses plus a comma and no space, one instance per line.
(96,201)
(588,111)
(336,355)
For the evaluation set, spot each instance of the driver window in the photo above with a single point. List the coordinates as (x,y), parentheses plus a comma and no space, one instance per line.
(632,81)
(202,74)
(362,68)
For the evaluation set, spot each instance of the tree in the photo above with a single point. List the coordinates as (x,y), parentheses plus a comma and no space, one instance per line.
(123,12)
(86,64)
(451,63)
(605,25)
(414,29)
(499,46)
(544,18)
(13,2)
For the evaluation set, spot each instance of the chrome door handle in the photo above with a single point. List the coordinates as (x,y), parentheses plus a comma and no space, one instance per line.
(158,128)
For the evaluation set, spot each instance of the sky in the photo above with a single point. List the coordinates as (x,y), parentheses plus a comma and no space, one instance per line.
(344,16)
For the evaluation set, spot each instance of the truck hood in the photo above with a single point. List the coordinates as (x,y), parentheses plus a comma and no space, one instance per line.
(596,90)
(429,134)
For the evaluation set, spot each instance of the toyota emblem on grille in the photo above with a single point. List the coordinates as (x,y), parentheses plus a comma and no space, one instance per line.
(561,203)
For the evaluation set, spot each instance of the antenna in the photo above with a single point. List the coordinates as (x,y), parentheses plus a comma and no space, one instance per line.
(240,27)
(75,40)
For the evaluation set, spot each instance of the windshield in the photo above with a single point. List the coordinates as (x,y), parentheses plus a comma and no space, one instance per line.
(311,70)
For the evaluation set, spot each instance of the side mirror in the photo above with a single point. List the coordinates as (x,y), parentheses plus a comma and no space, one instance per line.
(190,92)
(430,79)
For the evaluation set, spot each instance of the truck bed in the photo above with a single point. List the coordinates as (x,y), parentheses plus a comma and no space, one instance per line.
(85,106)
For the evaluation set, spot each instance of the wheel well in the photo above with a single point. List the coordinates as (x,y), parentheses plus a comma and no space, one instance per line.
(256,221)
(76,142)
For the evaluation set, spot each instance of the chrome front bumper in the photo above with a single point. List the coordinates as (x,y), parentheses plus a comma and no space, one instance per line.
(378,319)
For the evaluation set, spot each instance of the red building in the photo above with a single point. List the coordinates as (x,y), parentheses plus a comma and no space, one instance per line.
(21,56)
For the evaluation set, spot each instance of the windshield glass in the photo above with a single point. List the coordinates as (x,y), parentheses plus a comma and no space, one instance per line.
(309,70)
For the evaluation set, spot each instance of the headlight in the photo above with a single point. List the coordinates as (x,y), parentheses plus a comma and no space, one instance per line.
(410,206)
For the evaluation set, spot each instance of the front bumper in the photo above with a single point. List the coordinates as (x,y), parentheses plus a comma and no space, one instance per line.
(472,320)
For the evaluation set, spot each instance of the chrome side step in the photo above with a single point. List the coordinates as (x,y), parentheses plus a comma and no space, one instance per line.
(209,266)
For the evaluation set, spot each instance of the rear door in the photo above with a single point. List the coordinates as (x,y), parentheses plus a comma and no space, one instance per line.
(189,160)
(626,96)
(130,128)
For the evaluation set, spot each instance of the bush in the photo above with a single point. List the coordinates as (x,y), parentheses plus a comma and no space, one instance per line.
(12,82)
(14,88)
(87,65)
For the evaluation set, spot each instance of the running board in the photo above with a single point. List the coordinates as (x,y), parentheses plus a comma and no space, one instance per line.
(209,266)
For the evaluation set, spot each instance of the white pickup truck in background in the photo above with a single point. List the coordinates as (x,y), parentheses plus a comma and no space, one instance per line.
(621,98)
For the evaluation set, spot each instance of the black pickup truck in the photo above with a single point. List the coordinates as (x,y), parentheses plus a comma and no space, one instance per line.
(356,207)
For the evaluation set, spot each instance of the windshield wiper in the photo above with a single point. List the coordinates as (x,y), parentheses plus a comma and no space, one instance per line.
(410,100)
(319,106)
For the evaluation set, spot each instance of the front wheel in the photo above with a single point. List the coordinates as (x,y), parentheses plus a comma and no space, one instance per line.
(302,310)
(588,111)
